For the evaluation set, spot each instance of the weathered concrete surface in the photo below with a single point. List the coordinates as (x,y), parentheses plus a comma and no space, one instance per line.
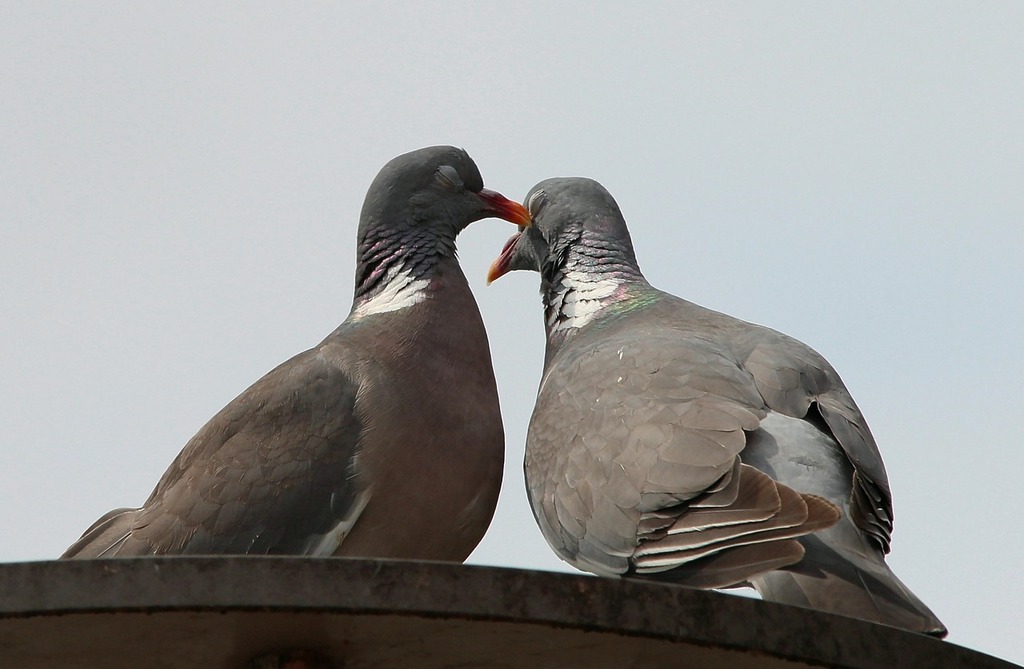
(222,612)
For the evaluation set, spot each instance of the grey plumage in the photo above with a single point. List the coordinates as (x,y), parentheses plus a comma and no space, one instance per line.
(674,442)
(383,440)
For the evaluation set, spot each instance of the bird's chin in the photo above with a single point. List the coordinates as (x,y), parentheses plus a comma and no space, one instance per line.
(502,265)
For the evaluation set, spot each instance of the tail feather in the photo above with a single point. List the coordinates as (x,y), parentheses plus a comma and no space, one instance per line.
(103,537)
(854,585)
(843,570)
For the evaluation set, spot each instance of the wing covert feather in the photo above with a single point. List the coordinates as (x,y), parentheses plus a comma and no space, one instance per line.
(642,447)
(242,472)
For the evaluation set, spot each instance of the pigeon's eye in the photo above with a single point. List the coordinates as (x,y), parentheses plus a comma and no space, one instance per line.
(447,175)
(536,202)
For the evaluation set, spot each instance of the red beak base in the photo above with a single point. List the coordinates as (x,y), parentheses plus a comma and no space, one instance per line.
(504,208)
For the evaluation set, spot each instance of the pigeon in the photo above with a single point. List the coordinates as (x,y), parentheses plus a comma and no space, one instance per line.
(676,443)
(385,439)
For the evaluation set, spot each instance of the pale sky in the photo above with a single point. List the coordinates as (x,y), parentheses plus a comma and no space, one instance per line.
(180,187)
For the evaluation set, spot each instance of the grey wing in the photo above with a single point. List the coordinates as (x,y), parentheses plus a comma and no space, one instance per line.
(798,382)
(274,472)
(623,435)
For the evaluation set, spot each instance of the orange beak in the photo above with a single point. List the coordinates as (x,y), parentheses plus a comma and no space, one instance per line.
(499,267)
(504,208)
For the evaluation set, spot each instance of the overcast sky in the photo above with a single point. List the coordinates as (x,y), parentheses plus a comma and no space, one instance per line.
(180,186)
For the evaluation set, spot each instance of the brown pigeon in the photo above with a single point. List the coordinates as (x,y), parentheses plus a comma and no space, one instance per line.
(677,443)
(383,440)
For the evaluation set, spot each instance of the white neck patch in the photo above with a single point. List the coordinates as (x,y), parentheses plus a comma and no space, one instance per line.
(577,300)
(400,291)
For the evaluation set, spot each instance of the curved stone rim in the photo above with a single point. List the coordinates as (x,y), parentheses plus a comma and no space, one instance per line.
(443,590)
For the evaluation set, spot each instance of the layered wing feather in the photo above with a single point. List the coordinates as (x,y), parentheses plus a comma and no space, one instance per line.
(251,483)
(632,434)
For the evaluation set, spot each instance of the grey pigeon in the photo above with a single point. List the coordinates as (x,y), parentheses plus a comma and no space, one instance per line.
(383,440)
(674,442)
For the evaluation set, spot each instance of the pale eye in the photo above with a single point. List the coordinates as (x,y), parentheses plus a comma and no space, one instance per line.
(536,201)
(447,175)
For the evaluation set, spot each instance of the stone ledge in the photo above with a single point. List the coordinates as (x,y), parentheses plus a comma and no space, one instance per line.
(223,611)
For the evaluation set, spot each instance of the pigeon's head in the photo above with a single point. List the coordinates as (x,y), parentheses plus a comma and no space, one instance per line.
(431,193)
(575,222)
